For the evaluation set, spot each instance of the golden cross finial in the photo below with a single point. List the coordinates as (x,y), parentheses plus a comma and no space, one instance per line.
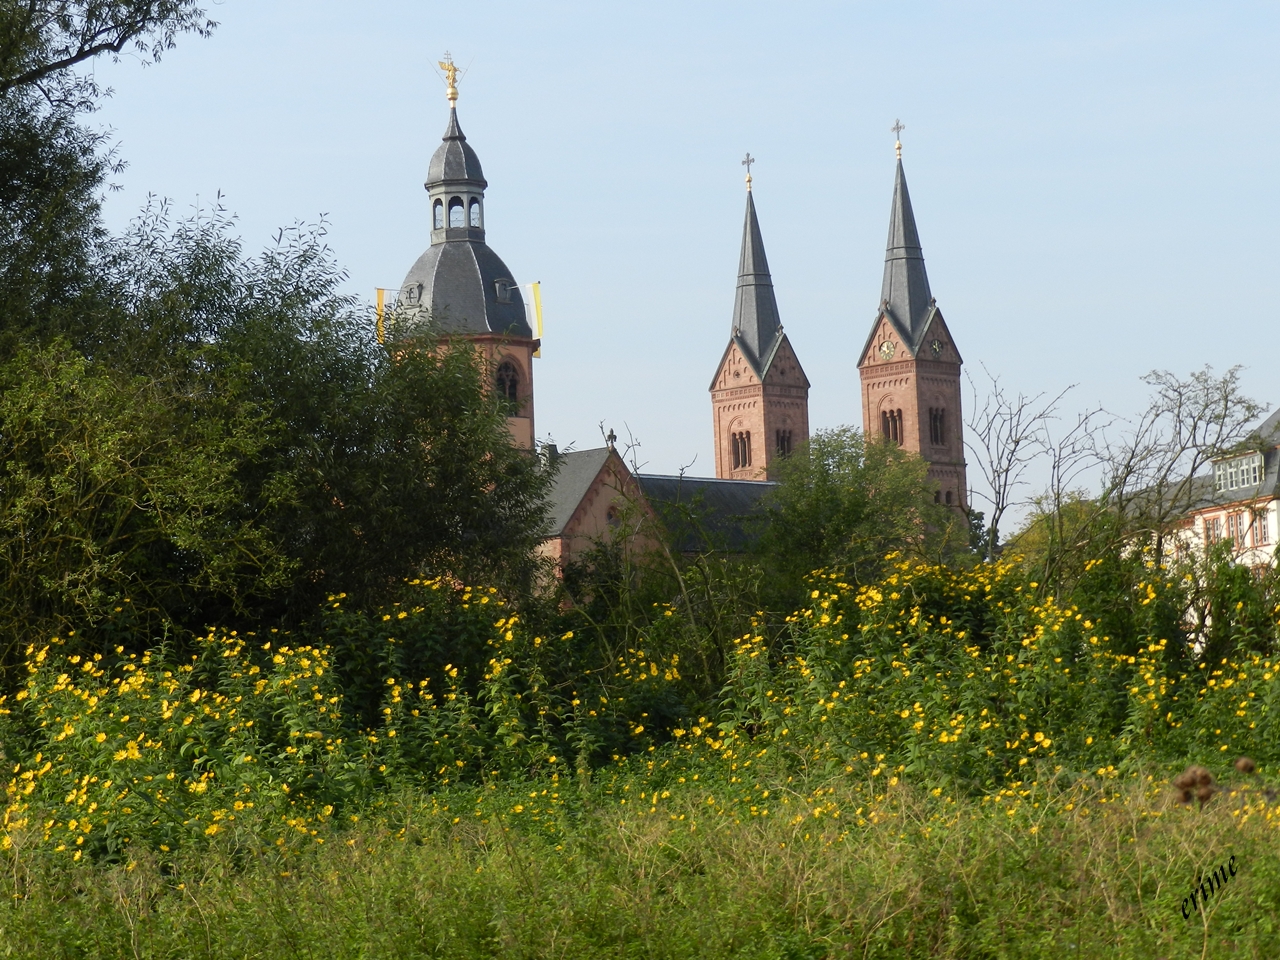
(451,74)
(897,128)
(747,163)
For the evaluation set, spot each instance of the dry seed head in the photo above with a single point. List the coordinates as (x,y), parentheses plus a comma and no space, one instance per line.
(1193,776)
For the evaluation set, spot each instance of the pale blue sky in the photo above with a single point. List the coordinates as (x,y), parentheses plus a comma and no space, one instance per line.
(1094,183)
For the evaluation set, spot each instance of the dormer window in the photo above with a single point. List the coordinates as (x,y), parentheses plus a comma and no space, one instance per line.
(457,215)
(502,290)
(1237,473)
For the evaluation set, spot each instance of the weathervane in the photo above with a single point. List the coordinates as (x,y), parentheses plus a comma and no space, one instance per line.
(451,74)
(897,128)
(747,163)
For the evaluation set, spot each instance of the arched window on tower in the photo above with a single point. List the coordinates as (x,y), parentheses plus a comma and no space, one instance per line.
(475,213)
(938,426)
(783,438)
(457,215)
(507,381)
(740,448)
(891,425)
(438,214)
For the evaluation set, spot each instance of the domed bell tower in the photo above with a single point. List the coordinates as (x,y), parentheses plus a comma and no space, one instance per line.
(460,286)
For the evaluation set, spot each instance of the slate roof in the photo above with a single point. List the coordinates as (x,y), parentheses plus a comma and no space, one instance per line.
(904,295)
(459,281)
(1204,493)
(756,326)
(456,281)
(702,513)
(454,161)
(576,471)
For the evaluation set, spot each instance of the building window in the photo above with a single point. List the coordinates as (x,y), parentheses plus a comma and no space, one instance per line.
(457,216)
(475,213)
(1212,529)
(507,380)
(1235,529)
(891,425)
(937,426)
(438,214)
(1262,529)
(502,289)
(937,496)
(783,442)
(741,443)
(948,498)
(1240,472)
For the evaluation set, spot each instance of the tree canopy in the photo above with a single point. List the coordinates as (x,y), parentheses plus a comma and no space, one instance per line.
(845,502)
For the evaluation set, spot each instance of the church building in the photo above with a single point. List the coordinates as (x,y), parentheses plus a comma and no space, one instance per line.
(910,367)
(910,372)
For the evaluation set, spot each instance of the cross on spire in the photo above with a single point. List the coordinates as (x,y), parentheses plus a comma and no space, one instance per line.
(897,128)
(747,162)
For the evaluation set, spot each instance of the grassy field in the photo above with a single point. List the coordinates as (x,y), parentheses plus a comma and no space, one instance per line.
(611,869)
(946,764)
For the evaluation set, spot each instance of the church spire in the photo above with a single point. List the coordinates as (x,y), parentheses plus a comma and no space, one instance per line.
(755,311)
(905,294)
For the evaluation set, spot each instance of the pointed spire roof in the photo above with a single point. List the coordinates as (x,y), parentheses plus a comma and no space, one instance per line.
(755,310)
(905,295)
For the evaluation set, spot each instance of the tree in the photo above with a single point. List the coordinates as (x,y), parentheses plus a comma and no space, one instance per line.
(233,444)
(1006,435)
(120,496)
(1153,468)
(42,40)
(844,502)
(53,168)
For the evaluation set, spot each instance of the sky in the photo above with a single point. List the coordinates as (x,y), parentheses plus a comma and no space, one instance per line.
(1094,182)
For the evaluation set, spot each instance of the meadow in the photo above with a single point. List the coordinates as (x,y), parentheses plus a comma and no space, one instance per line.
(944,763)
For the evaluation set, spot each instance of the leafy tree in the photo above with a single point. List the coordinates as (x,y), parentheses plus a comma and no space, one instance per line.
(52,167)
(844,502)
(42,40)
(51,173)
(117,498)
(235,445)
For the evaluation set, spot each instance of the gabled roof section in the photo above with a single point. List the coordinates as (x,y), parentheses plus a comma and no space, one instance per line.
(761,368)
(904,295)
(575,473)
(755,310)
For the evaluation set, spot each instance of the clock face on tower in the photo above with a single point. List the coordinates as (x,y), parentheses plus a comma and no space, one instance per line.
(886,350)
(936,347)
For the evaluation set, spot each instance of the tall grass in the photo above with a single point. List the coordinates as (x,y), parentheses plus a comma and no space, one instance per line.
(945,763)
(924,877)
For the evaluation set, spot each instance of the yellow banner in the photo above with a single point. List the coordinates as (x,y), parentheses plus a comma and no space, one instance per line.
(534,309)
